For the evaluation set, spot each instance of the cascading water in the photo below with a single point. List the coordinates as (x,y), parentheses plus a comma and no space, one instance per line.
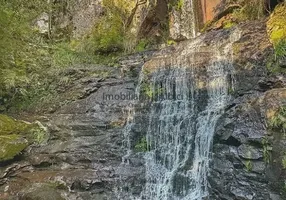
(188,99)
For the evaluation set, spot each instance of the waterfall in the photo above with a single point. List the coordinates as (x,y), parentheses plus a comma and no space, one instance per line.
(190,91)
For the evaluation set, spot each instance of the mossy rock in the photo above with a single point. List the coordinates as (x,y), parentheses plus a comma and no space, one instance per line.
(276,25)
(15,136)
(11,145)
(9,125)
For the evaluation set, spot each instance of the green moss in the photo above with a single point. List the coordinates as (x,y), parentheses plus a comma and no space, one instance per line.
(253,9)
(180,4)
(228,24)
(266,150)
(142,45)
(248,165)
(15,136)
(142,145)
(280,49)
(171,42)
(11,126)
(276,24)
(11,145)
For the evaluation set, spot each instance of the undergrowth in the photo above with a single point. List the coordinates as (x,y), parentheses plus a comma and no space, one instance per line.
(278,120)
(142,145)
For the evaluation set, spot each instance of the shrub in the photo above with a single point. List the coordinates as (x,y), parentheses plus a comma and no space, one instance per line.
(280,49)
(250,10)
(142,45)
(278,121)
(254,9)
(109,33)
(106,37)
(266,150)
(142,145)
(20,47)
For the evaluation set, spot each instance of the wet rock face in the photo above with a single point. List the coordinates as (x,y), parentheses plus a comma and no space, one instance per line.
(244,149)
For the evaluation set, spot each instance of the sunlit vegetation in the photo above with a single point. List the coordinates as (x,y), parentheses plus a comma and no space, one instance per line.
(142,145)
(278,120)
(31,63)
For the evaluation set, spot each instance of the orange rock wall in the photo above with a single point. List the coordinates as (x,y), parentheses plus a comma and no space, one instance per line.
(208,9)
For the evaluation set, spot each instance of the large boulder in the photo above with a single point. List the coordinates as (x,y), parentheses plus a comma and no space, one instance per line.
(15,136)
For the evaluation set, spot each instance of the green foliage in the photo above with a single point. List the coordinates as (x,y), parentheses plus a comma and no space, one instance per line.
(148,90)
(278,121)
(38,134)
(11,145)
(250,10)
(67,54)
(228,24)
(266,150)
(107,36)
(171,42)
(273,64)
(19,46)
(276,25)
(109,33)
(142,45)
(253,9)
(280,49)
(31,65)
(180,4)
(176,4)
(142,145)
(248,165)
